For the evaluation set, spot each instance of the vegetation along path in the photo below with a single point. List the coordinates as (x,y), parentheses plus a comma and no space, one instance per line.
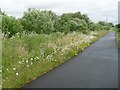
(96,67)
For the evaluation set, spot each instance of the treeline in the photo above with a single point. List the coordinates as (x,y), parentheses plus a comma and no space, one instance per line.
(47,22)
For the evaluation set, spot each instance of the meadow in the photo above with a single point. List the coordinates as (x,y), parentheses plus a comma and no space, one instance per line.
(31,55)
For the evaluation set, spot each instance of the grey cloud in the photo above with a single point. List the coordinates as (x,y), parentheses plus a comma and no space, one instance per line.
(96,9)
(49,6)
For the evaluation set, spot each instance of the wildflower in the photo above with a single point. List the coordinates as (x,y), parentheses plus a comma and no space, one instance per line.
(27,61)
(14,68)
(7,69)
(17,74)
(27,65)
(37,57)
(19,62)
(31,59)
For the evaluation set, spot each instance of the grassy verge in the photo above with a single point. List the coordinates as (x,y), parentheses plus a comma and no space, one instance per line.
(33,55)
(118,39)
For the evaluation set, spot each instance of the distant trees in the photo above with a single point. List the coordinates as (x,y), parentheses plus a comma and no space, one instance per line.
(101,25)
(48,22)
(105,25)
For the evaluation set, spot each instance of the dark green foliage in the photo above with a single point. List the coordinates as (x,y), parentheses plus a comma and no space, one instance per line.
(48,22)
(72,22)
(105,25)
(111,24)
(10,25)
(101,25)
(38,21)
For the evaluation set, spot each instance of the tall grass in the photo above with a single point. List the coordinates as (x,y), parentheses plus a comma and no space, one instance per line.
(118,39)
(33,55)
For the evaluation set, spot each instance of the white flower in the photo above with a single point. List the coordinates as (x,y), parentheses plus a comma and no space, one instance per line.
(31,59)
(17,74)
(37,57)
(27,65)
(19,62)
(14,68)
(7,69)
(27,61)
(31,63)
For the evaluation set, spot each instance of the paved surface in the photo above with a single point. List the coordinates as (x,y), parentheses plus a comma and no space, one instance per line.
(96,67)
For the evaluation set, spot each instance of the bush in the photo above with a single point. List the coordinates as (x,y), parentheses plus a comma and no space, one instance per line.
(38,21)
(71,22)
(10,26)
(47,22)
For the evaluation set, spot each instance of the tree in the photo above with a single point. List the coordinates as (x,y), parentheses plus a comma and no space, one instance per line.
(105,25)
(72,22)
(39,21)
(10,26)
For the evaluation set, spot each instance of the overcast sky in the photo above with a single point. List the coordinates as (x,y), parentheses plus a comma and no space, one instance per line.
(96,9)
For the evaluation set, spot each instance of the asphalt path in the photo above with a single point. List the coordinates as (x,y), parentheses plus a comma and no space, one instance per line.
(96,67)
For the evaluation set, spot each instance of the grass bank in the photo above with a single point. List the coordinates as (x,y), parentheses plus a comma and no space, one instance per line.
(118,39)
(33,55)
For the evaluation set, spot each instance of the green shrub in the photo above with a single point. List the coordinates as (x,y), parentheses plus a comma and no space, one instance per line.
(38,21)
(10,26)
